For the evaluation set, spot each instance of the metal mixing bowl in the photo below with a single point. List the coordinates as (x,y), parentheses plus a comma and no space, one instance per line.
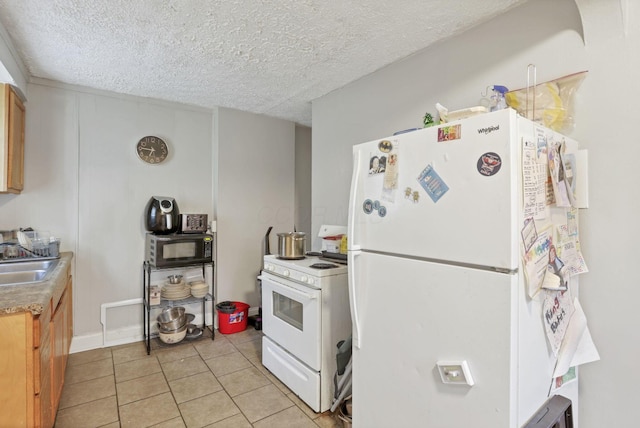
(175,279)
(172,318)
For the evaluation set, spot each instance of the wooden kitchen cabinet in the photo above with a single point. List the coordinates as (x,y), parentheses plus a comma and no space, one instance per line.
(33,357)
(61,333)
(42,371)
(17,370)
(12,146)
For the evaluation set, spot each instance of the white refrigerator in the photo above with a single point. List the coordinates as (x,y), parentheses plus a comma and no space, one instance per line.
(437,290)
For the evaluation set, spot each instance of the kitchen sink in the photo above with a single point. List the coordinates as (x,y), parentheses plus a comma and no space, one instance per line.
(26,272)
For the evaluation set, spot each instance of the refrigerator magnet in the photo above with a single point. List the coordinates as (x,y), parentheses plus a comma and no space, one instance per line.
(449,133)
(412,195)
(432,183)
(377,164)
(489,164)
(385,146)
(367,206)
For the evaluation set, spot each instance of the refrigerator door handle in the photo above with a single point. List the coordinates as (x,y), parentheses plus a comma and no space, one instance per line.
(352,300)
(352,199)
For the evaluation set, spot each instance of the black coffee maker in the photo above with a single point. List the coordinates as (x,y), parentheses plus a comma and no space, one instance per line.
(162,215)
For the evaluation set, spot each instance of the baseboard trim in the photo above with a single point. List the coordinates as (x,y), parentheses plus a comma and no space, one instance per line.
(113,338)
(122,336)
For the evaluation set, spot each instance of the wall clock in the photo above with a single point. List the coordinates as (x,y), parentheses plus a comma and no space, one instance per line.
(152,150)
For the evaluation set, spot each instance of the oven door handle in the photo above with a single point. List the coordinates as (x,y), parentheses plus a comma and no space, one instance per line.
(301,294)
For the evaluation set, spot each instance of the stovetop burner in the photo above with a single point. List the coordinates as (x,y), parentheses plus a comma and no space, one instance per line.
(295,268)
(323,266)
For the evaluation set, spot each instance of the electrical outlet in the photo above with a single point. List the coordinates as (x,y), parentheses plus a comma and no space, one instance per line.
(455,372)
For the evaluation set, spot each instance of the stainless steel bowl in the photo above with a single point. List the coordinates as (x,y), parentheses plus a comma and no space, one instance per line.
(172,318)
(175,279)
(162,329)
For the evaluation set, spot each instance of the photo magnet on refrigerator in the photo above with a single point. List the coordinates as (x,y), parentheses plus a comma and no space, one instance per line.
(449,133)
(377,164)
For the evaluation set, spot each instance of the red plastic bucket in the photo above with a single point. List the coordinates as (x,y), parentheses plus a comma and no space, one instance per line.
(234,322)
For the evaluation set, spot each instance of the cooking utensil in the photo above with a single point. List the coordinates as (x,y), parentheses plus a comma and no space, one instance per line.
(162,329)
(172,318)
(175,279)
(197,332)
(291,245)
(174,336)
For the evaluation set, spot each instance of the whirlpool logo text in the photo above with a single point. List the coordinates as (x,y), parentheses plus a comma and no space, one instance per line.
(488,129)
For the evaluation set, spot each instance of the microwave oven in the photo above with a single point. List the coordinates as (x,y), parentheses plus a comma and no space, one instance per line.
(175,250)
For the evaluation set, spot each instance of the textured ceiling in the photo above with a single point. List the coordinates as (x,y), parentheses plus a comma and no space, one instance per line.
(269,57)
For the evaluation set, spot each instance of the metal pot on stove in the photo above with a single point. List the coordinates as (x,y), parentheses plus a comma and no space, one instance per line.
(292,245)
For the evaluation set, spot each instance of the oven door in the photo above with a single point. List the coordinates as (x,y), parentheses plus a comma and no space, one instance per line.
(291,318)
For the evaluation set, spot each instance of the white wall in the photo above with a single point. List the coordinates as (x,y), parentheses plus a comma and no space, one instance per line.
(303,182)
(85,184)
(546,33)
(255,175)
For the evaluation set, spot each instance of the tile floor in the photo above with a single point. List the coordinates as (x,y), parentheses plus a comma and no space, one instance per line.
(205,383)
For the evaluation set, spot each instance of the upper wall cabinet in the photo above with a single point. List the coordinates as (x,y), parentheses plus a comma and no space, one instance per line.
(12,145)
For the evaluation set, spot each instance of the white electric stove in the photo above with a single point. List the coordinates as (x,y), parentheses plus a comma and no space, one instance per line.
(305,313)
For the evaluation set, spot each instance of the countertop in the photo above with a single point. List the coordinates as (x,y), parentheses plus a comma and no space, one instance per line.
(35,297)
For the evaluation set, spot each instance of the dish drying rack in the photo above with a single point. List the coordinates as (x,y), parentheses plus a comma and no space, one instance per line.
(29,245)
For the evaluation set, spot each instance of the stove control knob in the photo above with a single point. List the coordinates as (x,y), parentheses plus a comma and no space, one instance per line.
(269,268)
(310,281)
(286,272)
(304,278)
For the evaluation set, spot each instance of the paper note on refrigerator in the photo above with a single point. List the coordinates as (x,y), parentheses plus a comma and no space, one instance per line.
(536,261)
(557,173)
(390,182)
(569,166)
(569,251)
(557,310)
(577,347)
(534,181)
